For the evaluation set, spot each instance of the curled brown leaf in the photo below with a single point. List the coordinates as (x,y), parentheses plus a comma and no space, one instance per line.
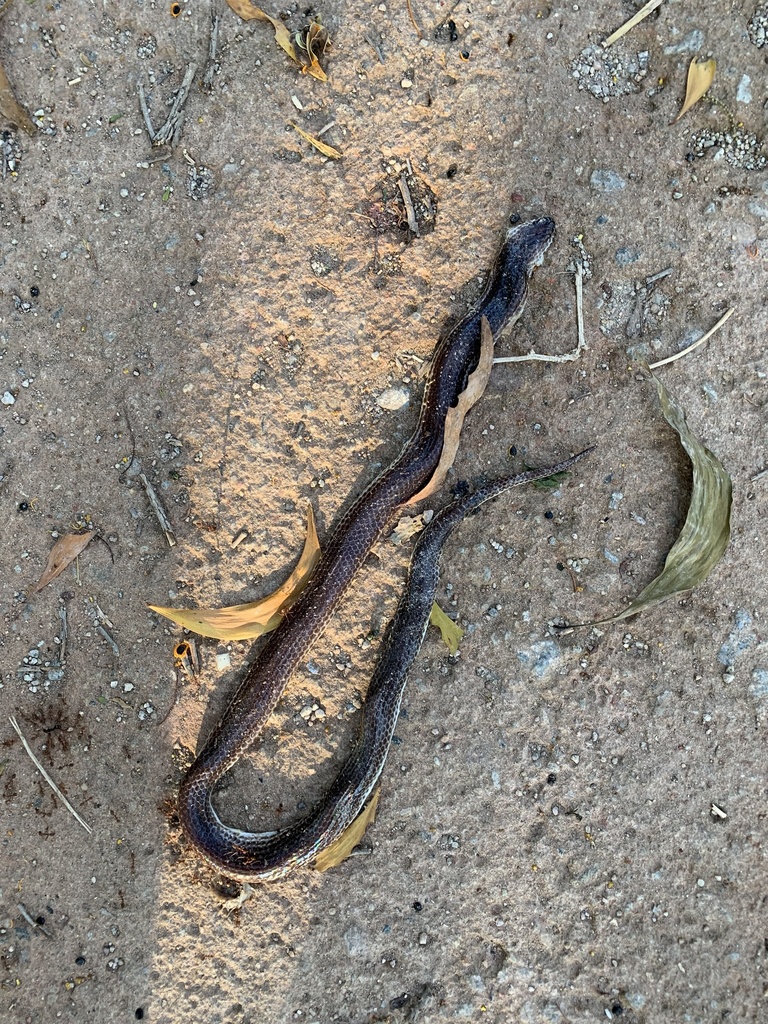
(247,621)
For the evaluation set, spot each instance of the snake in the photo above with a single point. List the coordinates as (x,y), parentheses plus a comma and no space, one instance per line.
(268,856)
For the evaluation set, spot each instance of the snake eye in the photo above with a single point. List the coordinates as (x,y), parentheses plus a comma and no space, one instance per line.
(175,10)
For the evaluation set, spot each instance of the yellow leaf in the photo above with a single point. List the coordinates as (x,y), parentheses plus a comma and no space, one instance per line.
(700,76)
(322,147)
(341,848)
(246,621)
(63,553)
(450,632)
(249,12)
(454,421)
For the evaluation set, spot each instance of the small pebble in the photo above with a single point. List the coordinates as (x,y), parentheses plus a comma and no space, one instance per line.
(604,180)
(393,399)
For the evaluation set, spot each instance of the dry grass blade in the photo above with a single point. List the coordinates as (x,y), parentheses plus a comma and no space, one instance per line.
(449,630)
(636,18)
(706,531)
(454,421)
(63,553)
(246,621)
(701,74)
(46,776)
(11,109)
(342,847)
(689,348)
(321,147)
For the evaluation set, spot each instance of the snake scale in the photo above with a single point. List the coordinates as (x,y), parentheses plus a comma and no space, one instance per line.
(265,856)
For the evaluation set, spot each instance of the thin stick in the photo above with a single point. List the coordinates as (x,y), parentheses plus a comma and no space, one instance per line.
(47,777)
(643,13)
(566,357)
(213,65)
(705,337)
(157,508)
(410,213)
(145,113)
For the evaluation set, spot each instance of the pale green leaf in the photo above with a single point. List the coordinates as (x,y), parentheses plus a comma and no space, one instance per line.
(706,531)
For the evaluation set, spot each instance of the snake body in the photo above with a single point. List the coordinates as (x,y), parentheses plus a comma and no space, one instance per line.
(264,856)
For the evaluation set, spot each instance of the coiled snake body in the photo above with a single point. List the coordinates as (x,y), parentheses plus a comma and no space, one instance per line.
(264,856)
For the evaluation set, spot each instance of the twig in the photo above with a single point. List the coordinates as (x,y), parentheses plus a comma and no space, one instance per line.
(705,337)
(643,13)
(109,640)
(47,777)
(410,213)
(145,114)
(170,133)
(212,67)
(62,634)
(157,508)
(658,277)
(566,357)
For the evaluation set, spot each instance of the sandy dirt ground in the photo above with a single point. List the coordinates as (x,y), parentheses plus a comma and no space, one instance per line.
(571,828)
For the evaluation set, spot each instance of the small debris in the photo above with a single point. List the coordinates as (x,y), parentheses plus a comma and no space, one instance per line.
(607,75)
(10,152)
(200,183)
(757,26)
(388,208)
(738,147)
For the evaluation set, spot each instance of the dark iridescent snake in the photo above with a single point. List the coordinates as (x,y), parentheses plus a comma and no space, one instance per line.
(264,856)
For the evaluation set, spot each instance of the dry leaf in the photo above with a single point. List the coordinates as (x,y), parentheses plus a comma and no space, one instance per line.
(322,147)
(63,553)
(10,108)
(249,12)
(454,421)
(706,531)
(312,42)
(341,848)
(701,74)
(408,526)
(449,630)
(246,621)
